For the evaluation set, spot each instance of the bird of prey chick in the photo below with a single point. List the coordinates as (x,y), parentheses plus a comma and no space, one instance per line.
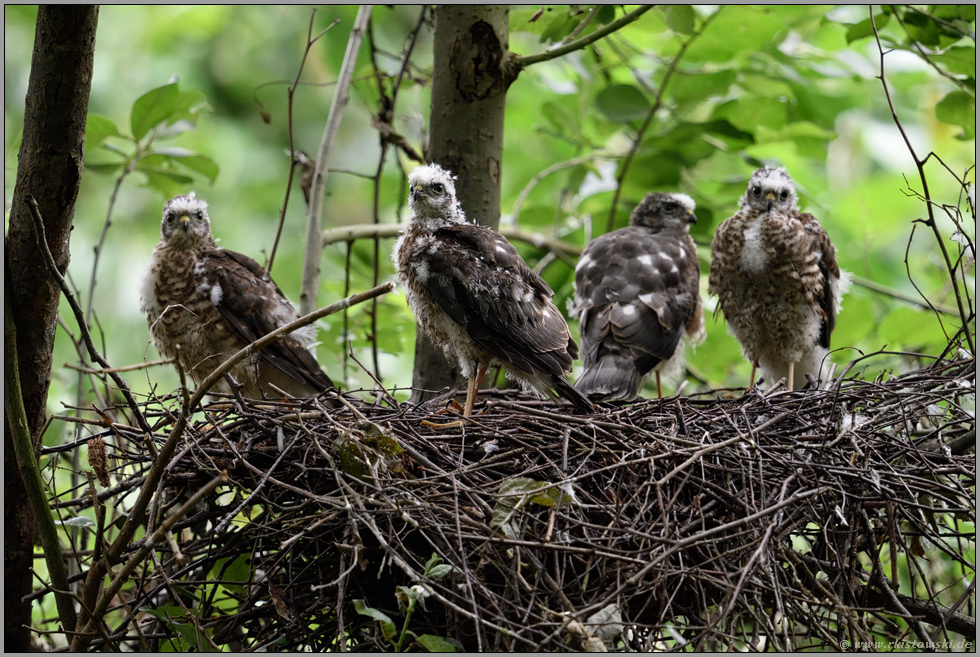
(775,272)
(636,295)
(474,296)
(204,303)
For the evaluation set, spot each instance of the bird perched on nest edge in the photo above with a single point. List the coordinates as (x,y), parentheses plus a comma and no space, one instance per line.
(636,294)
(204,303)
(775,272)
(474,296)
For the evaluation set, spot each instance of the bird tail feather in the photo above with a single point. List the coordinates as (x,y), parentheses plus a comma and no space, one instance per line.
(611,378)
(572,394)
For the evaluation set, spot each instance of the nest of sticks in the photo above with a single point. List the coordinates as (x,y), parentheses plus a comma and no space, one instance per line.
(722,521)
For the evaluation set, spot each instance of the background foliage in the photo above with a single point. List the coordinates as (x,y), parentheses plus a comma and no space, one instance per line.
(793,86)
(693,98)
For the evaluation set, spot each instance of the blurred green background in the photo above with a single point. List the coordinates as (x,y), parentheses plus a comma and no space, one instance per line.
(793,86)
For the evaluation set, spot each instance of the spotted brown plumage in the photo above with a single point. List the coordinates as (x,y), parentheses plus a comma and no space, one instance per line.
(775,272)
(204,303)
(637,299)
(474,296)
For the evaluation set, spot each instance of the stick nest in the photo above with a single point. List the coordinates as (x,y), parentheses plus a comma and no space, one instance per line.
(763,521)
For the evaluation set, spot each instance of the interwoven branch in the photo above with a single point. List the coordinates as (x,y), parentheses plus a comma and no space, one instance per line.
(711,522)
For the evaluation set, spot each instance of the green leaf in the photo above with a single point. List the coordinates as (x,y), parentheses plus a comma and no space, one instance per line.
(201,164)
(152,108)
(680,18)
(387,625)
(959,108)
(922,28)
(189,105)
(733,33)
(515,493)
(701,85)
(622,103)
(435,569)
(440,571)
(167,183)
(407,596)
(749,112)
(190,636)
(606,15)
(561,26)
(434,643)
(797,130)
(865,28)
(97,130)
(959,60)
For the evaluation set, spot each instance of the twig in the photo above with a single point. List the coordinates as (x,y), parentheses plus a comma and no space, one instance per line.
(79,317)
(920,167)
(125,368)
(541,175)
(290,93)
(122,576)
(314,245)
(578,44)
(367,231)
(134,518)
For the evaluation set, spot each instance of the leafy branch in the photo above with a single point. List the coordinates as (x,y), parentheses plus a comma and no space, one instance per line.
(578,44)
(648,120)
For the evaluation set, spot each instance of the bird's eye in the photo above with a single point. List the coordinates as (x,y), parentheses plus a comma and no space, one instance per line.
(756,191)
(199,216)
(670,208)
(784,195)
(439,188)
(170,218)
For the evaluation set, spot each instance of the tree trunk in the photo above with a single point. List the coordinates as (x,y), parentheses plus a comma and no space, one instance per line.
(49,169)
(471,72)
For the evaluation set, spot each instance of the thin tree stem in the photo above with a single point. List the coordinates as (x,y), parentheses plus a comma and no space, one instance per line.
(13,403)
(314,247)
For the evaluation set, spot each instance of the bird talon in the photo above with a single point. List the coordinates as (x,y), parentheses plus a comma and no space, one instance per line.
(452,405)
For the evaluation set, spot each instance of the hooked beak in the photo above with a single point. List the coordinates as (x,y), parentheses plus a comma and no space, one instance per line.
(416,192)
(692,218)
(770,199)
(185,222)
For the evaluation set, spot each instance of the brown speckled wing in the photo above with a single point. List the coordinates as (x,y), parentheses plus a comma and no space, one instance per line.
(828,268)
(253,306)
(478,278)
(638,290)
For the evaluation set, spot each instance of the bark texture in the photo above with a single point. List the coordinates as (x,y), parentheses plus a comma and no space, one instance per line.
(50,169)
(471,73)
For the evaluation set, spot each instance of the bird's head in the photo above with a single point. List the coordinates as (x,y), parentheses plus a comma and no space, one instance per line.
(432,194)
(185,222)
(770,188)
(660,211)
